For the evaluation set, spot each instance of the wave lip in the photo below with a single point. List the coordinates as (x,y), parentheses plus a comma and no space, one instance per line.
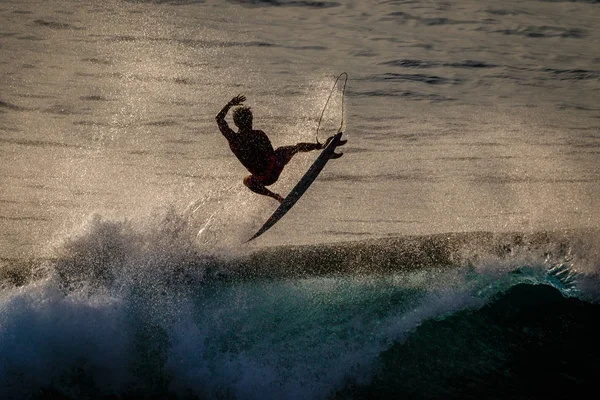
(108,254)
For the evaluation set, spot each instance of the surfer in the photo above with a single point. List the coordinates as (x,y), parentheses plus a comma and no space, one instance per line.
(255,151)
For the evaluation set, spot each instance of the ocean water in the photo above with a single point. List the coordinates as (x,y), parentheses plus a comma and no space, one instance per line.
(451,253)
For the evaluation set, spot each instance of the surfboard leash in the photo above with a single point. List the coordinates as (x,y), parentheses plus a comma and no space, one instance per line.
(327,102)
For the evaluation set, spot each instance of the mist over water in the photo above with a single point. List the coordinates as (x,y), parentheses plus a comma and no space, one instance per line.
(450,252)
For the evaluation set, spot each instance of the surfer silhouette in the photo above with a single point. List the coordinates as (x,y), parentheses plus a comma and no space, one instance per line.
(255,151)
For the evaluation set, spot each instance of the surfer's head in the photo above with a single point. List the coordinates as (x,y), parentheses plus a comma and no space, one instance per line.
(242,117)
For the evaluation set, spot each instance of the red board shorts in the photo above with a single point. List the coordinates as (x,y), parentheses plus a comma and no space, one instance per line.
(279,159)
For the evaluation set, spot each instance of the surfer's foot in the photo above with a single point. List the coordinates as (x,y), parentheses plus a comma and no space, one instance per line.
(330,138)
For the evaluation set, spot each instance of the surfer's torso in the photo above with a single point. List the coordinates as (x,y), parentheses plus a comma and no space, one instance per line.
(254,150)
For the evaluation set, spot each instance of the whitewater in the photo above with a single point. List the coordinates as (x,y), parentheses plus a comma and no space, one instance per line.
(451,253)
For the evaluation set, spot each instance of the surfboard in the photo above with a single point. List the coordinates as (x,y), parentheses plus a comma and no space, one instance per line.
(304,183)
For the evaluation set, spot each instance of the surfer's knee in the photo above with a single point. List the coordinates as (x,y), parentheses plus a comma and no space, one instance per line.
(248,182)
(285,153)
(251,183)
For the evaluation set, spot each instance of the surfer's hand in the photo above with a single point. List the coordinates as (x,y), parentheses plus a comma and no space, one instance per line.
(237,100)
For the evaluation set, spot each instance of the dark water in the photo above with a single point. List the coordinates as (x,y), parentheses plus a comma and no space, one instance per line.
(529,342)
(451,253)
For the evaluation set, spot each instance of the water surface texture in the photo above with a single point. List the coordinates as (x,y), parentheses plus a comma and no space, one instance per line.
(451,253)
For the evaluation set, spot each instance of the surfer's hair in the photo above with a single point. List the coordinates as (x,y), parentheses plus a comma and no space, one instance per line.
(242,117)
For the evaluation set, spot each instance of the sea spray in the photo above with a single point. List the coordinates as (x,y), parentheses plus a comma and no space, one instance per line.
(134,309)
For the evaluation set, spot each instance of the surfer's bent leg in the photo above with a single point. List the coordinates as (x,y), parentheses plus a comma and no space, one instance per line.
(285,153)
(308,146)
(257,187)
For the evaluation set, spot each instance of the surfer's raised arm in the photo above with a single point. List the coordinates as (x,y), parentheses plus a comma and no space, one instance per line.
(223,127)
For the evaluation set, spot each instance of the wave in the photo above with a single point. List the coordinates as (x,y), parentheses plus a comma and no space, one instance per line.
(35,143)
(529,342)
(428,79)
(407,94)
(106,251)
(546,32)
(55,25)
(10,106)
(412,63)
(132,310)
(289,3)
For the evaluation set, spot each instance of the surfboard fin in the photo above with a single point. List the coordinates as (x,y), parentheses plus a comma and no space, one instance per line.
(336,155)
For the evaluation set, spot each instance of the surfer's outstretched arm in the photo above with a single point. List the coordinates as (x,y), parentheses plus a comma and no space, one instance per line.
(223,127)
